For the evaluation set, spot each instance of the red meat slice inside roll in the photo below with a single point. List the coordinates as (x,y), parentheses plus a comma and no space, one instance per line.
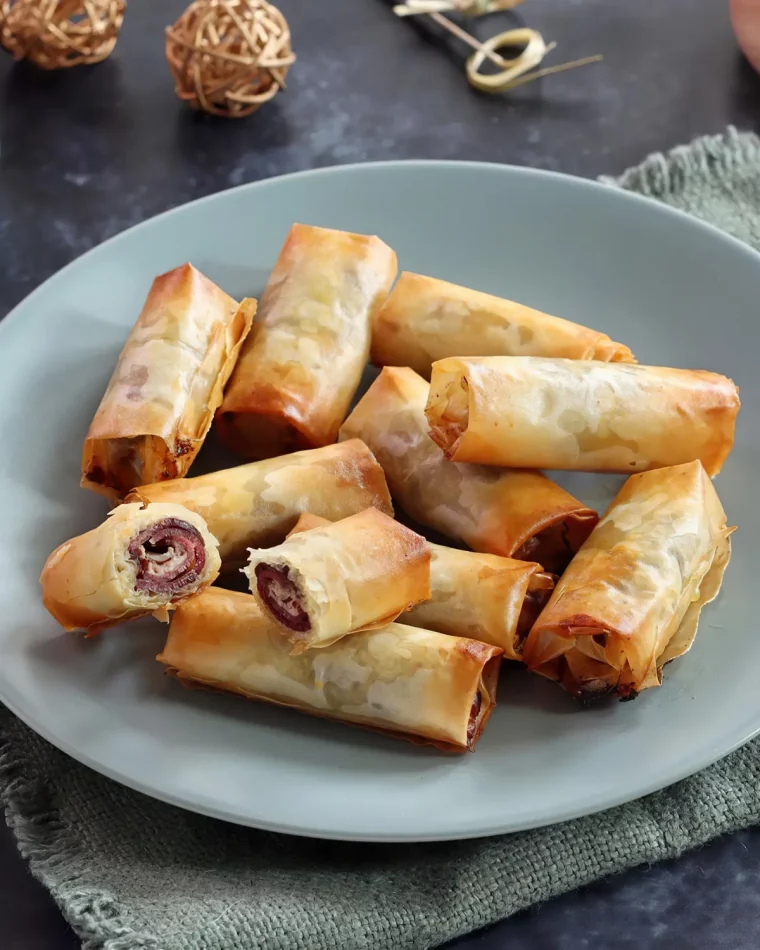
(555,546)
(472,726)
(281,596)
(170,556)
(536,599)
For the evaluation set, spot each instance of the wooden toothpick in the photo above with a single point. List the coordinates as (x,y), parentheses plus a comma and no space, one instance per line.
(515,71)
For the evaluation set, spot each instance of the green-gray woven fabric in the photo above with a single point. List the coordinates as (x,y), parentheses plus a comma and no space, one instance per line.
(129,872)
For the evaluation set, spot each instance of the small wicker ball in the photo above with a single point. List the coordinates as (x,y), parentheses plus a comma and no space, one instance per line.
(229,57)
(55,34)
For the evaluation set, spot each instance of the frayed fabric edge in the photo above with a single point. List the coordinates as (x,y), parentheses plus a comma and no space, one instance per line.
(664,174)
(44,842)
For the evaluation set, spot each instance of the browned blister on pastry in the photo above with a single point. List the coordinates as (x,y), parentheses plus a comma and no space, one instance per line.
(520,514)
(358,573)
(138,561)
(415,684)
(630,600)
(583,415)
(425,319)
(167,384)
(255,505)
(303,362)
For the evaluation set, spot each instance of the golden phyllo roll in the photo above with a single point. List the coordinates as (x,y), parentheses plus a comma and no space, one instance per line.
(322,584)
(582,415)
(630,600)
(304,359)
(168,382)
(425,319)
(415,684)
(483,596)
(138,561)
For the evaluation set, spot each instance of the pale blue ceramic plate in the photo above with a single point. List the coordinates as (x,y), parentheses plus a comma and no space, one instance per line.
(678,292)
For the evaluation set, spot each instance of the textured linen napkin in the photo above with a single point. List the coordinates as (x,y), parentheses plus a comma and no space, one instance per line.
(129,872)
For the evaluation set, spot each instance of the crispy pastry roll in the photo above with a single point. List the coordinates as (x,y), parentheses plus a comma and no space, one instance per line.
(482,596)
(257,504)
(167,384)
(302,364)
(516,514)
(139,561)
(412,683)
(584,415)
(425,320)
(630,600)
(358,573)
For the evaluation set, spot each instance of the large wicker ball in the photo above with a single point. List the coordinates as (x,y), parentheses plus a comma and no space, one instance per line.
(229,57)
(54,34)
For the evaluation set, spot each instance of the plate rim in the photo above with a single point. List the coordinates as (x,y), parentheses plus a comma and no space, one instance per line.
(14,701)
(201,807)
(604,183)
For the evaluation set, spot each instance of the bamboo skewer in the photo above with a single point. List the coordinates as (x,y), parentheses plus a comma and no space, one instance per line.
(514,71)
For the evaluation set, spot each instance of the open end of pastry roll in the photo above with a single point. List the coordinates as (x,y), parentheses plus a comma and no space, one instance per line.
(282,597)
(139,561)
(540,587)
(448,412)
(555,545)
(415,684)
(116,464)
(275,429)
(630,600)
(358,573)
(484,700)
(169,556)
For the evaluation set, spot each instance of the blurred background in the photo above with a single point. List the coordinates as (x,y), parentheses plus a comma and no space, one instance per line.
(89,151)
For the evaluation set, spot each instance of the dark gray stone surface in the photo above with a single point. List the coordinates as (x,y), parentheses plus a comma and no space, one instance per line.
(87,153)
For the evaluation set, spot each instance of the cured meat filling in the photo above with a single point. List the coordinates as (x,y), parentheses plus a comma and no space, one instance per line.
(472,726)
(281,597)
(170,556)
(534,603)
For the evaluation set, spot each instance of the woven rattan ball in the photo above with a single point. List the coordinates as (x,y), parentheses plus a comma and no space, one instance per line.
(229,57)
(54,34)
